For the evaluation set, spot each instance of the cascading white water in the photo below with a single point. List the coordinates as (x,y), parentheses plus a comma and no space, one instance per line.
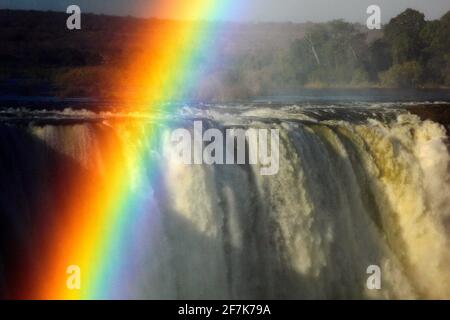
(348,194)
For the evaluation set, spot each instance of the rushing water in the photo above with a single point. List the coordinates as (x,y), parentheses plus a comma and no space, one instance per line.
(358,185)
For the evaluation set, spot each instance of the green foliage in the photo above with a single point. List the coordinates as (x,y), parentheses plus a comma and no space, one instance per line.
(379,58)
(332,53)
(411,53)
(360,78)
(405,75)
(253,60)
(403,35)
(447,71)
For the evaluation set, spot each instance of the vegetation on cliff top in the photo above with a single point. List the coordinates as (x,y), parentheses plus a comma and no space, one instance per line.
(254,59)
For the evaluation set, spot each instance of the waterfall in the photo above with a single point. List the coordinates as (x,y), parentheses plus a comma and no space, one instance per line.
(352,190)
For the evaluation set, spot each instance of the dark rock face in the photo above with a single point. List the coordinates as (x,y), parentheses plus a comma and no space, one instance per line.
(439,113)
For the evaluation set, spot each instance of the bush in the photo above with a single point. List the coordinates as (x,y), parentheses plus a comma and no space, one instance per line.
(87,82)
(360,77)
(405,75)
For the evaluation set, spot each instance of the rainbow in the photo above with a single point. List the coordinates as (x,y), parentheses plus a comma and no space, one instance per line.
(92,231)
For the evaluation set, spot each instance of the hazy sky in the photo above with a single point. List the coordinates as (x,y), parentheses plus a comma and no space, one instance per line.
(246,10)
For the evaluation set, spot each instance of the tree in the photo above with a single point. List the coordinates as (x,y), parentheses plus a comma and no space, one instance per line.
(405,75)
(380,58)
(403,35)
(331,53)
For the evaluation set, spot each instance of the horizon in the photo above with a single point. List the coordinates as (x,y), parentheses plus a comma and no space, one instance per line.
(251,12)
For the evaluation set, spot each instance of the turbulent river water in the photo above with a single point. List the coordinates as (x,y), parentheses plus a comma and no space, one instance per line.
(358,185)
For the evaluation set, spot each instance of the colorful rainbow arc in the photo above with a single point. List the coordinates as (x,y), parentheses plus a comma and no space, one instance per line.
(92,231)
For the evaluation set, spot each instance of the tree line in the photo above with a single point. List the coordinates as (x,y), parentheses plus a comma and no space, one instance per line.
(251,60)
(410,52)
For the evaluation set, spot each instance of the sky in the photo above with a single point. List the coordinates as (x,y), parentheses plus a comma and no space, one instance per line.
(246,10)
